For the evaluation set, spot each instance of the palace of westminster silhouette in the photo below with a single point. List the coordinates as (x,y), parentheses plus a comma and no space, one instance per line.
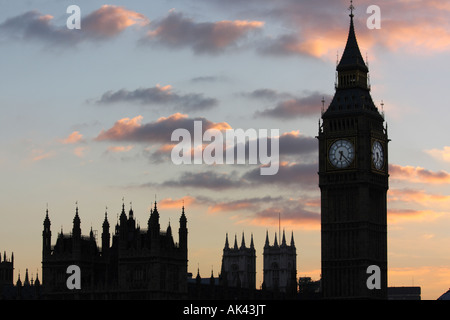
(148,264)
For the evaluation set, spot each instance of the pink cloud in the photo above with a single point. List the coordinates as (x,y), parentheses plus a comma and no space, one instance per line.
(74,137)
(120,148)
(111,20)
(120,129)
(418,174)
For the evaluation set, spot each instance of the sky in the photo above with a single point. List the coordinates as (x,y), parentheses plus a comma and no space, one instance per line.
(87,117)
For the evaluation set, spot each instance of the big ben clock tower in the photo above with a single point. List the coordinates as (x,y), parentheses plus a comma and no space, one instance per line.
(353,179)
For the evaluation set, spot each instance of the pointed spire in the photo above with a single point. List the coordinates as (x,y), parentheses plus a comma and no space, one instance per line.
(267,244)
(251,242)
(26,282)
(243,241)
(235,242)
(292,239)
(351,58)
(105,222)
(130,213)
(275,243)
(283,242)
(226,242)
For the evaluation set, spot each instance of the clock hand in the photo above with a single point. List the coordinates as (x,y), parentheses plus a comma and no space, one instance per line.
(345,157)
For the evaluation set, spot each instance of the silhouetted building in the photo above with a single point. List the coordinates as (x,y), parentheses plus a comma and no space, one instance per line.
(6,270)
(404,293)
(353,179)
(29,289)
(238,265)
(280,265)
(138,264)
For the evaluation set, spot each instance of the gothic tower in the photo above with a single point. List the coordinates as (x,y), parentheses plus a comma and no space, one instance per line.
(353,180)
(239,265)
(280,265)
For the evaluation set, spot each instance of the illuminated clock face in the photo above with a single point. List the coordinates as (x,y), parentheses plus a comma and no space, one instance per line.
(377,155)
(342,154)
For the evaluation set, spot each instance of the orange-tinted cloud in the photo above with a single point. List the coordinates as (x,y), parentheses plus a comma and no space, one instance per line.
(397,215)
(443,155)
(417,196)
(111,20)
(121,128)
(79,151)
(40,154)
(418,174)
(116,149)
(170,203)
(74,137)
(127,129)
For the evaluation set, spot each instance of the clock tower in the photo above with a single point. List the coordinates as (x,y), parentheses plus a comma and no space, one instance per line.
(353,180)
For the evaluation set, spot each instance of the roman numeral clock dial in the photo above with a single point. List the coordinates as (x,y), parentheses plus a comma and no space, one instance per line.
(377,155)
(341,154)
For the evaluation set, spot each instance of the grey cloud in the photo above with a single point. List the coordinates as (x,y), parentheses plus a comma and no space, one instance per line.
(177,31)
(160,96)
(295,107)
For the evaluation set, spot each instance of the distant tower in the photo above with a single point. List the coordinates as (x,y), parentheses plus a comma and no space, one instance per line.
(106,236)
(46,237)
(183,235)
(239,265)
(6,271)
(280,265)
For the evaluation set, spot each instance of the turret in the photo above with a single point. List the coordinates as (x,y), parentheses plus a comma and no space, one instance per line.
(46,237)
(106,236)
(183,233)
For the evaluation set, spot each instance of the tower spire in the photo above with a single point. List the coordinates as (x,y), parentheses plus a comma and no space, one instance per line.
(351,8)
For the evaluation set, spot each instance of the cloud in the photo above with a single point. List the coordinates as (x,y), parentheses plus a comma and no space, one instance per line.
(177,31)
(417,196)
(73,138)
(290,144)
(442,155)
(79,151)
(132,130)
(247,204)
(169,203)
(288,174)
(33,25)
(293,44)
(117,149)
(288,105)
(209,179)
(159,95)
(110,20)
(40,154)
(398,215)
(299,213)
(104,23)
(418,174)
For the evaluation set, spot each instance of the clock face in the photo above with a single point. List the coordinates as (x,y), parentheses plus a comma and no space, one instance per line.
(377,155)
(342,154)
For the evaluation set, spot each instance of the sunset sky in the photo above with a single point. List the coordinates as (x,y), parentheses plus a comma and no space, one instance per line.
(87,117)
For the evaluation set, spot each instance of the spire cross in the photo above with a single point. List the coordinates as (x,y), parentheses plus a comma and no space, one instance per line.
(351,8)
